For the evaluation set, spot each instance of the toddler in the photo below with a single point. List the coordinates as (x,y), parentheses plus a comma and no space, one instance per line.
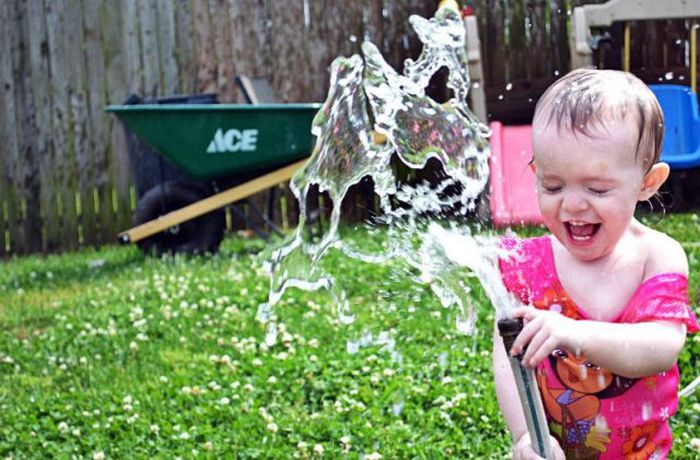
(606,298)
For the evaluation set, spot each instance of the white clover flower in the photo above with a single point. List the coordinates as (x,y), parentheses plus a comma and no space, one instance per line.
(272,427)
(63,427)
(256,362)
(248,387)
(224,401)
(313,358)
(208,445)
(163,379)
(345,442)
(133,346)
(373,456)
(186,390)
(76,433)
(127,407)
(389,372)
(695,444)
(184,435)
(313,343)
(98,456)
(155,429)
(302,445)
(318,450)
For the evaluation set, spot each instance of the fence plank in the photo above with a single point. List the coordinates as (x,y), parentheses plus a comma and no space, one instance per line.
(285,51)
(148,19)
(9,147)
(516,53)
(224,34)
(27,163)
(98,125)
(185,46)
(38,56)
(558,40)
(495,70)
(78,164)
(206,57)
(538,52)
(167,42)
(115,199)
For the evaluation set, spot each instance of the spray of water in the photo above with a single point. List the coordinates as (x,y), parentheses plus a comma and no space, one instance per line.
(367,96)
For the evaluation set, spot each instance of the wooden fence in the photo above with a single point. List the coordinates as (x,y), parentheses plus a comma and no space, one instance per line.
(66,181)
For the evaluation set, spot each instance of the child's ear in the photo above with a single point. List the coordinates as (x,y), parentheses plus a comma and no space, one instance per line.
(653,180)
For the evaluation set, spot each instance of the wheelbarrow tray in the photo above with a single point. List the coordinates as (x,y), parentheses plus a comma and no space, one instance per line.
(210,141)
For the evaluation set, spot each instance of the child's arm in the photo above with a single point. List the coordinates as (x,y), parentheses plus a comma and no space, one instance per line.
(628,350)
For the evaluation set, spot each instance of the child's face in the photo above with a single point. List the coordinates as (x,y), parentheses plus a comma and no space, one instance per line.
(588,186)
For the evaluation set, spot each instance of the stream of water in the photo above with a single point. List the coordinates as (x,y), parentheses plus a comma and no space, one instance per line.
(367,96)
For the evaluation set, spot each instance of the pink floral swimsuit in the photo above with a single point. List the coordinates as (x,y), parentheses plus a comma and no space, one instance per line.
(593,413)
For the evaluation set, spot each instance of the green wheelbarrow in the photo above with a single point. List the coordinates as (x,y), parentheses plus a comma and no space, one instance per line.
(238,148)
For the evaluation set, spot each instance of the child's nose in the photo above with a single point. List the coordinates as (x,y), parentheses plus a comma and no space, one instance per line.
(574,202)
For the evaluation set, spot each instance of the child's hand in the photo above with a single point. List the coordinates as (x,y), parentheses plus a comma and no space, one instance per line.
(523,449)
(544,332)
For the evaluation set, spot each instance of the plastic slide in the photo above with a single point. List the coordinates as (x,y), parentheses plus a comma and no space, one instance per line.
(681,147)
(513,196)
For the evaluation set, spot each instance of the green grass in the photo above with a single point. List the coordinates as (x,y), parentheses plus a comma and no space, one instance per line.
(108,351)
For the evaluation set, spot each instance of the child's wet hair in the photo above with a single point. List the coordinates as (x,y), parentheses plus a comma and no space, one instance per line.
(586,98)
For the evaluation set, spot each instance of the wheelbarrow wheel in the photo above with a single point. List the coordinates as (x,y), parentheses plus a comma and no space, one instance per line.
(196,236)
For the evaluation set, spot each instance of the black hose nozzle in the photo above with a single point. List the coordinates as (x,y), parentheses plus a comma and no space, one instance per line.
(509,328)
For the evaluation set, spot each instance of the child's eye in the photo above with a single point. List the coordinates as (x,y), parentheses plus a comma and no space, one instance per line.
(552,189)
(598,191)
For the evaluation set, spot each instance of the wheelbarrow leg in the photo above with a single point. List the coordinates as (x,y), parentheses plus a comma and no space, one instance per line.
(249,222)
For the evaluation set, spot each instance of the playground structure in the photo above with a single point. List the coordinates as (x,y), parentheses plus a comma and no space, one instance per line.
(512,191)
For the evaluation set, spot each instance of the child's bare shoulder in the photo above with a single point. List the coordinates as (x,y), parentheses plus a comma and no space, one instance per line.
(664,254)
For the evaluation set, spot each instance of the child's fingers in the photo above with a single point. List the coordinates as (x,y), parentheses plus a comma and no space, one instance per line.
(524,337)
(526,313)
(541,352)
(533,348)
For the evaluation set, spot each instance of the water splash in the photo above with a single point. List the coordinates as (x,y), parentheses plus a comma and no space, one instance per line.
(367,98)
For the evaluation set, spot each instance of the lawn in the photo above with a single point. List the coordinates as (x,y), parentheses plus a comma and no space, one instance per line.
(109,354)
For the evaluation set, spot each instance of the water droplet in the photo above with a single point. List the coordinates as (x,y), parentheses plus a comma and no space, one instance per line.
(352,346)
(271,335)
(352,38)
(397,408)
(668,76)
(509,86)
(442,359)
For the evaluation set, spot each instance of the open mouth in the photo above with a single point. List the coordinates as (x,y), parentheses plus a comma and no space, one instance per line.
(581,232)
